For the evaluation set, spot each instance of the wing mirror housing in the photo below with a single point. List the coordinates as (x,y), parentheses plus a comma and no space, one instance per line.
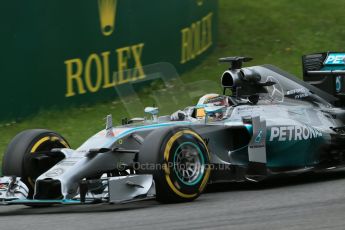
(153,111)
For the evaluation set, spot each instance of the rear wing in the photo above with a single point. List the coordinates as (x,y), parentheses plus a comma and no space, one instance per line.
(327,72)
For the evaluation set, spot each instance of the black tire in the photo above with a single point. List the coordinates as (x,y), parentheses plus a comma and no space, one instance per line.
(16,160)
(162,155)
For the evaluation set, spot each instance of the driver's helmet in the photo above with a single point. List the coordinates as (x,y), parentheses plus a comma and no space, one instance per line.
(211,99)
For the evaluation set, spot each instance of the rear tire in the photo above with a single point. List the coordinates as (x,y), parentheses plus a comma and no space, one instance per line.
(178,159)
(16,160)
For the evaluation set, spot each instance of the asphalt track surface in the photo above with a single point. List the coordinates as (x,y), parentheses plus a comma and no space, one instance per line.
(312,201)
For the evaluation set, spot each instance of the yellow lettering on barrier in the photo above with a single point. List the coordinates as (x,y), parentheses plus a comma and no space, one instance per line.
(137,50)
(74,76)
(203,35)
(196,38)
(93,58)
(97,71)
(185,45)
(107,82)
(196,32)
(209,29)
(123,54)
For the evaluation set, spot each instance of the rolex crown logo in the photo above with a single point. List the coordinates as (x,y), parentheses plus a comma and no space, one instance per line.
(107,13)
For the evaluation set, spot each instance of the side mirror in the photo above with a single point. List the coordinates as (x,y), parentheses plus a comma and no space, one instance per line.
(153,111)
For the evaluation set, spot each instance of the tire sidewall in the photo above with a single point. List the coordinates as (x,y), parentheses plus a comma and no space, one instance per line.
(169,187)
(17,156)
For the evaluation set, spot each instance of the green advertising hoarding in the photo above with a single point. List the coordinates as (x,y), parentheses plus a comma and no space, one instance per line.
(60,53)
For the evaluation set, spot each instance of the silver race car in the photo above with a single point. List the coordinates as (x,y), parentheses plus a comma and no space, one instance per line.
(266,122)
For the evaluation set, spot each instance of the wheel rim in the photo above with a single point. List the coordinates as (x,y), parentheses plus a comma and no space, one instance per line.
(189,163)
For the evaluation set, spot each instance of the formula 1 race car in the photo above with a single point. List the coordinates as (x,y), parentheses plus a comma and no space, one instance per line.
(266,122)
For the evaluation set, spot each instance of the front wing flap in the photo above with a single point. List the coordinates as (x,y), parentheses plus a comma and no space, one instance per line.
(119,190)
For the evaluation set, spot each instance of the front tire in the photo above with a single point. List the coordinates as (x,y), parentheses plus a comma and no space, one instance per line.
(178,159)
(16,160)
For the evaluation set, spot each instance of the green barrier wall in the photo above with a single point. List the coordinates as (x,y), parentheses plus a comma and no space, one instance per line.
(61,52)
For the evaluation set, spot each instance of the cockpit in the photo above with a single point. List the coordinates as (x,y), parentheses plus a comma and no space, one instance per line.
(258,85)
